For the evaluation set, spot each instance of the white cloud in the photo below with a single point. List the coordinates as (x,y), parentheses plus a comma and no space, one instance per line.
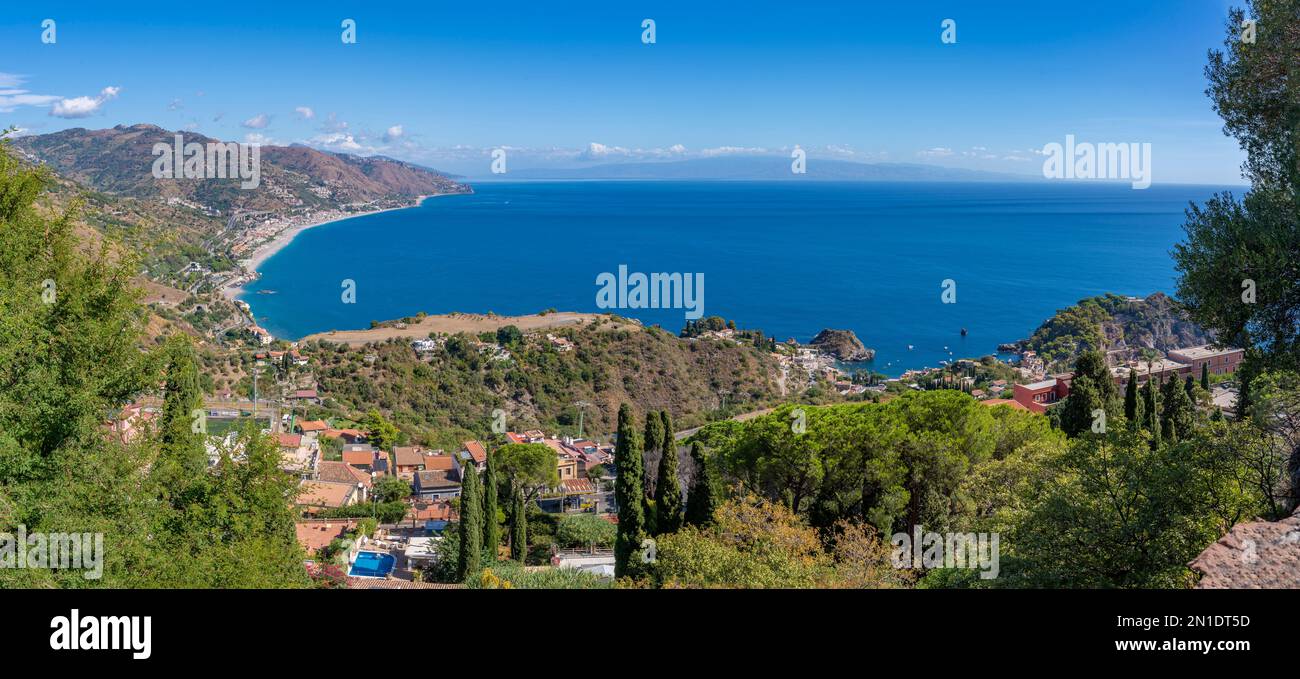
(732,150)
(259,139)
(175,104)
(257,122)
(337,141)
(83,107)
(936,152)
(393,133)
(333,124)
(305,112)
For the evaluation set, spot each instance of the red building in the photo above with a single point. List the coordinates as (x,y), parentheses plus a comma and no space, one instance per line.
(1039,395)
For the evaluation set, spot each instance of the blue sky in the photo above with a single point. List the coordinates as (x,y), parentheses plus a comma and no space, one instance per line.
(570,83)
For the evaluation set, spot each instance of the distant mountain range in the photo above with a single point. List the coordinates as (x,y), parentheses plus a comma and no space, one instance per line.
(119,161)
(764,168)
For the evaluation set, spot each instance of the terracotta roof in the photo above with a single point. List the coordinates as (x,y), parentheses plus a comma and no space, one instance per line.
(325,493)
(439,463)
(359,457)
(307,426)
(350,433)
(408,456)
(476,451)
(341,472)
(289,440)
(1254,555)
(426,511)
(578,486)
(314,534)
(304,393)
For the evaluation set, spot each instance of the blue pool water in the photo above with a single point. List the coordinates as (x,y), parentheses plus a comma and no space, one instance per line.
(372,565)
(789,258)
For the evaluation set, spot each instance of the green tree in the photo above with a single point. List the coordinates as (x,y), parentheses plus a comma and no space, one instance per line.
(1151,406)
(518,529)
(701,502)
(182,455)
(1076,413)
(382,433)
(471,524)
(391,489)
(668,488)
(653,441)
(1178,414)
(1205,376)
(1132,403)
(629,493)
(530,467)
(491,528)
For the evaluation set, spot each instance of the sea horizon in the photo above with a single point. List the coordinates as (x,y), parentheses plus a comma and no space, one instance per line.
(1017,252)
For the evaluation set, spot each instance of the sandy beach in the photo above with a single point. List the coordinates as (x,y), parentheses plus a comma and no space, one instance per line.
(471,323)
(253,260)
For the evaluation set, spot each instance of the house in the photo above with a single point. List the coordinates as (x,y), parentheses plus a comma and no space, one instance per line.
(473,453)
(360,455)
(434,485)
(1162,369)
(306,395)
(438,462)
(312,426)
(341,472)
(561,344)
(431,516)
(408,460)
(317,534)
(262,335)
(1220,361)
(315,495)
(1037,396)
(348,435)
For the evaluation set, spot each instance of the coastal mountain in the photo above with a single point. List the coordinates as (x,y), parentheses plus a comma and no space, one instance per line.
(1111,322)
(843,345)
(120,161)
(772,167)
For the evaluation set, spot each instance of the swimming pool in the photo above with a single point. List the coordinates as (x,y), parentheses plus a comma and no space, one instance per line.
(372,565)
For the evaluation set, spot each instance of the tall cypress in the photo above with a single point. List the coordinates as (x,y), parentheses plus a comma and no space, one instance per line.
(668,489)
(183,455)
(491,529)
(1205,376)
(701,501)
(1152,411)
(471,524)
(1132,406)
(518,529)
(653,440)
(629,493)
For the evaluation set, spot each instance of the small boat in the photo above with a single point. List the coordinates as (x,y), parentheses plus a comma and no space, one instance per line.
(963,332)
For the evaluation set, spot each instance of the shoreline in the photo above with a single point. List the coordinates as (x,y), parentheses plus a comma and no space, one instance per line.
(258,256)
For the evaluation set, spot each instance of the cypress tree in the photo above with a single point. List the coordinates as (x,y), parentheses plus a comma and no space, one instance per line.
(182,457)
(653,441)
(1132,406)
(1205,376)
(1152,412)
(701,501)
(491,529)
(1092,364)
(629,493)
(518,529)
(1076,413)
(1177,413)
(668,489)
(471,524)
(1189,385)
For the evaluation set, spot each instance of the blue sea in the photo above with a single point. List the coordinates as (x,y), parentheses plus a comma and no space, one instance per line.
(789,258)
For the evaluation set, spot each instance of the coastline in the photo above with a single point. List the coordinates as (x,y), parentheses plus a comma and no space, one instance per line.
(254,260)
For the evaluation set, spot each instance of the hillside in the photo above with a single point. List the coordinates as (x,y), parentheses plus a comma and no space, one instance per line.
(120,161)
(460,383)
(1115,323)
